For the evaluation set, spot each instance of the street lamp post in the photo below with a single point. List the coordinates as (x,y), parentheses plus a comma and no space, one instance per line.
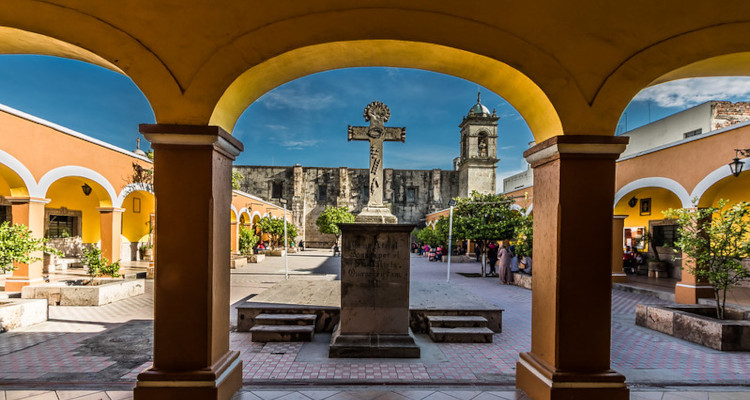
(286,246)
(452,204)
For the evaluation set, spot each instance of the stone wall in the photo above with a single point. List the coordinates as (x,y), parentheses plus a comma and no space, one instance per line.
(411,193)
(725,113)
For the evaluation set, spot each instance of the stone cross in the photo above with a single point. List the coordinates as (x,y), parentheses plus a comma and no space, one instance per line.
(377,114)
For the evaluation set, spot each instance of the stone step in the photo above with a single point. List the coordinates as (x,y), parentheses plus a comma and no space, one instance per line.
(285,319)
(456,321)
(282,333)
(461,335)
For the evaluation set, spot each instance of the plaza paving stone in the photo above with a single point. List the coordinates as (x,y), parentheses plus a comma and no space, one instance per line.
(106,347)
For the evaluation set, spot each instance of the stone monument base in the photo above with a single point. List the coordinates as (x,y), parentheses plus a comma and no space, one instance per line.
(376,215)
(372,345)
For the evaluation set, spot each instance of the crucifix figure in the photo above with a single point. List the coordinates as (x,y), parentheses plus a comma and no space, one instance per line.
(377,114)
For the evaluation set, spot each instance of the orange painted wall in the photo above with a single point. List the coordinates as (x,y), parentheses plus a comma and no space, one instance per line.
(54,149)
(688,163)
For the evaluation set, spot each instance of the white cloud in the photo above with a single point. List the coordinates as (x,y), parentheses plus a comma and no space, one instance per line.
(691,92)
(298,144)
(507,147)
(293,98)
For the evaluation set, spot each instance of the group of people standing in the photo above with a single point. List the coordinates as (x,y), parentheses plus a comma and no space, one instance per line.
(509,262)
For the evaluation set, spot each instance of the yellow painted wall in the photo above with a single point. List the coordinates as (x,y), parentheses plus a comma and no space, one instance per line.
(661,200)
(734,189)
(135,226)
(4,187)
(67,193)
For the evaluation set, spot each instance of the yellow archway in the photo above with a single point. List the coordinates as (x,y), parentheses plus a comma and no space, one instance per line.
(515,87)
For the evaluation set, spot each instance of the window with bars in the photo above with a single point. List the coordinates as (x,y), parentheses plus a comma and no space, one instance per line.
(61,226)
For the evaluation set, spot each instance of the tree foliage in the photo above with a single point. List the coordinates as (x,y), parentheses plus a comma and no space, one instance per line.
(525,236)
(717,238)
(97,265)
(248,239)
(274,228)
(16,245)
(237,179)
(483,217)
(436,235)
(329,219)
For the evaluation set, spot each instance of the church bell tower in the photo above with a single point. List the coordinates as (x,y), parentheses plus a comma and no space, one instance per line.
(478,160)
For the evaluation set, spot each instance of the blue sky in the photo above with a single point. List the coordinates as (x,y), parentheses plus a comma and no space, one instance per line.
(304,121)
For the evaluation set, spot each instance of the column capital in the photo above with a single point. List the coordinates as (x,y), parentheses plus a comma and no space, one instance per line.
(24,200)
(107,210)
(577,146)
(617,216)
(192,135)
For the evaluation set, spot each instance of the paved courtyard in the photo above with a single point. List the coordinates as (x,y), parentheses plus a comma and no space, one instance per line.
(106,347)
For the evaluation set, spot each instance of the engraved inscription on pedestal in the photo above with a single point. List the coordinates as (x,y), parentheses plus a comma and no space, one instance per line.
(374,292)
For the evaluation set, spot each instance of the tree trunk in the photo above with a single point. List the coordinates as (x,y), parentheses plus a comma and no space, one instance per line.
(719,309)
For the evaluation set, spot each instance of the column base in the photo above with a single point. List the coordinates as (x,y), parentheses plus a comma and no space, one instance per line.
(221,381)
(15,284)
(372,345)
(619,277)
(687,293)
(539,381)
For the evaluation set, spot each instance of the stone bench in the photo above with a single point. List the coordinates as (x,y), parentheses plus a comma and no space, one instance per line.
(20,313)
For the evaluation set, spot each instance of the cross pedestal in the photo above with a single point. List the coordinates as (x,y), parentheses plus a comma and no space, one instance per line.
(374,293)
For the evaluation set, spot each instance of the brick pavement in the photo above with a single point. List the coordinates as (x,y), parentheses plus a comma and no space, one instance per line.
(62,349)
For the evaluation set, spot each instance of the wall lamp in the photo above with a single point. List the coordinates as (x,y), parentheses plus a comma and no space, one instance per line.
(736,165)
(86,189)
(632,202)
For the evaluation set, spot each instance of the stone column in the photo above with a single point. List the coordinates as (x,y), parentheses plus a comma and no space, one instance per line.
(298,202)
(111,228)
(343,197)
(235,237)
(192,359)
(618,224)
(30,212)
(689,289)
(574,182)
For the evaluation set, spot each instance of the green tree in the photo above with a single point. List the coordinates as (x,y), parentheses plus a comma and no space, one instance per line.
(483,218)
(435,236)
(328,221)
(717,238)
(237,179)
(525,236)
(274,228)
(248,239)
(97,265)
(17,244)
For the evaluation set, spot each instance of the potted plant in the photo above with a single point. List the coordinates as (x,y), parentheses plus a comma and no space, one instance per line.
(146,252)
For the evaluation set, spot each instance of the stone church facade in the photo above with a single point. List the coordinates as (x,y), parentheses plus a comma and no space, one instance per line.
(411,194)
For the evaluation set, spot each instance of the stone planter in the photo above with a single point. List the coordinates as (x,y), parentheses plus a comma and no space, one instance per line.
(64,293)
(256,258)
(695,323)
(277,253)
(238,262)
(522,280)
(19,313)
